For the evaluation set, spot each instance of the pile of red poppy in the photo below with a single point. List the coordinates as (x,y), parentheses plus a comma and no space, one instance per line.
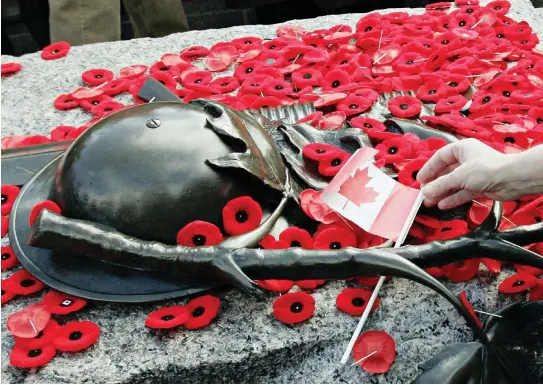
(476,68)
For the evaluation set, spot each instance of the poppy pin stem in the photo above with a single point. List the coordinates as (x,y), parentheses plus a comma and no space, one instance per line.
(33,327)
(380,39)
(152,99)
(296,59)
(399,241)
(490,314)
(415,61)
(380,57)
(363,358)
(479,22)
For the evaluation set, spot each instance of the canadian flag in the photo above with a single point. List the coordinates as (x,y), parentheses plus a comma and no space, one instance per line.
(365,195)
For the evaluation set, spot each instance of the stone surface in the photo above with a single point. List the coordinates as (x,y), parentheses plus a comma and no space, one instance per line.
(246,343)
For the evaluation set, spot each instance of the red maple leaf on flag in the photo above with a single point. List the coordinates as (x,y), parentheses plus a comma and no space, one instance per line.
(355,190)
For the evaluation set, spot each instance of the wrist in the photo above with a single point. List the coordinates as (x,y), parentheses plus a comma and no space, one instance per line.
(523,172)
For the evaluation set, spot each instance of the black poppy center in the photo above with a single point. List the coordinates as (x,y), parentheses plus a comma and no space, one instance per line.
(427,45)
(335,162)
(279,87)
(486,99)
(273,47)
(167,317)
(462,23)
(539,120)
(241,216)
(295,244)
(74,336)
(199,311)
(296,307)
(3,292)
(445,42)
(446,229)
(409,62)
(506,94)
(509,139)
(367,125)
(518,283)
(336,83)
(524,42)
(198,81)
(453,84)
(161,81)
(500,35)
(199,240)
(67,100)
(40,334)
(498,7)
(414,174)
(108,109)
(34,353)
(248,42)
(344,62)
(404,106)
(224,84)
(358,302)
(96,102)
(5,256)
(248,70)
(446,25)
(335,245)
(164,68)
(320,151)
(255,85)
(307,76)
(431,92)
(27,282)
(469,10)
(369,28)
(98,76)
(393,150)
(353,106)
(55,51)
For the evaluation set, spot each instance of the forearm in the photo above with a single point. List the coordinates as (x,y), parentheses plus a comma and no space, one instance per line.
(524,173)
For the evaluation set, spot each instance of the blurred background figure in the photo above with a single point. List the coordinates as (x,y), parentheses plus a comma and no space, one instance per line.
(92,21)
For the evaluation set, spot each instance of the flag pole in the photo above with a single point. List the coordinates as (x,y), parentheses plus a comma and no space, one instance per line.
(373,298)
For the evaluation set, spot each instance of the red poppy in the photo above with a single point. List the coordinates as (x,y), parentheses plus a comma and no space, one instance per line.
(278,87)
(31,358)
(404,106)
(319,151)
(107,108)
(276,285)
(44,337)
(436,272)
(494,266)
(165,78)
(432,91)
(268,242)
(199,233)
(60,303)
(246,70)
(11,68)
(296,237)
(76,336)
(194,52)
(310,284)
(133,71)
(326,99)
(225,84)
(36,210)
(394,150)
(353,301)
(290,31)
(485,101)
(449,230)
(437,59)
(202,311)
(373,128)
(55,50)
(354,104)
(409,63)
(172,69)
(255,84)
(461,271)
(375,351)
(517,283)
(167,317)
(330,166)
(29,322)
(408,173)
(60,133)
(312,119)
(335,80)
(9,194)
(464,299)
(89,103)
(332,121)
(197,78)
(83,93)
(97,76)
(5,226)
(452,103)
(335,237)
(9,260)
(307,77)
(524,269)
(23,283)
(294,308)
(6,295)
(66,102)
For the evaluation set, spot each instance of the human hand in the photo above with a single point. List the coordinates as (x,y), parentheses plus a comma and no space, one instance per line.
(466,170)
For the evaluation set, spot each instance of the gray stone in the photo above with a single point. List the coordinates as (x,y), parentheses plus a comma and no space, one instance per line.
(245,343)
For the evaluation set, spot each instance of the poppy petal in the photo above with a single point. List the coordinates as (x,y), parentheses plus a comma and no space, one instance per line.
(294,308)
(202,311)
(36,210)
(375,351)
(167,317)
(241,215)
(199,233)
(60,303)
(31,358)
(76,336)
(517,283)
(29,322)
(353,301)
(9,260)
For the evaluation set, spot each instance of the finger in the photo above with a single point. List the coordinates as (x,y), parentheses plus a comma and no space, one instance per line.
(443,158)
(444,185)
(456,200)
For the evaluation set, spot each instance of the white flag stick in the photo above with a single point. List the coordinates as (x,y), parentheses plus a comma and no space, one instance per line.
(369,305)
